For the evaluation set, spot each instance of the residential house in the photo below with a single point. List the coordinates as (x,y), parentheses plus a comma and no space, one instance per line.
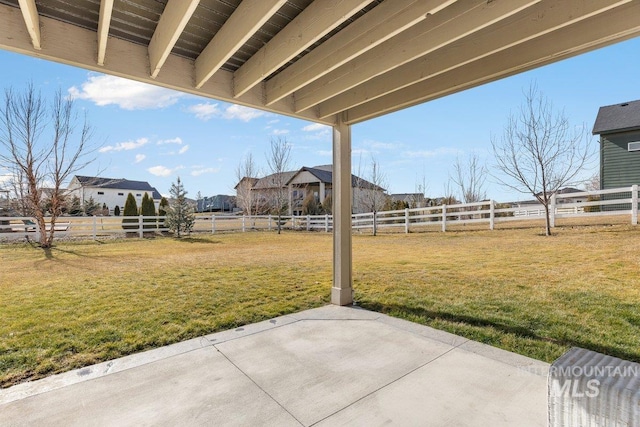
(218,203)
(619,129)
(318,181)
(413,200)
(111,192)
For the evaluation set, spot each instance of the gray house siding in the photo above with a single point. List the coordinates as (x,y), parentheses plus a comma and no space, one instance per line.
(618,166)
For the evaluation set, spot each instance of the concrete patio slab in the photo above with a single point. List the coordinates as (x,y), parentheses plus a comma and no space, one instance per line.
(327,366)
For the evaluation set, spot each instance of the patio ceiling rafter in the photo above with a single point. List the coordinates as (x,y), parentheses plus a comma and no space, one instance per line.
(106,10)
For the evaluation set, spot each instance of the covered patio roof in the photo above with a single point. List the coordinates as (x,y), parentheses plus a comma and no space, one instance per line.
(315,60)
(336,62)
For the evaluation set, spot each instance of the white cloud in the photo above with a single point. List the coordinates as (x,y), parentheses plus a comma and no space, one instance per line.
(125,146)
(324,153)
(176,140)
(280,131)
(184,149)
(207,111)
(425,154)
(202,171)
(127,94)
(160,171)
(140,157)
(242,113)
(314,127)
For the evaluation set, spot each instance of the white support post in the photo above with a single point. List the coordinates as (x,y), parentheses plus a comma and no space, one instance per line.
(213,224)
(552,211)
(140,229)
(243,223)
(444,218)
(95,227)
(634,204)
(342,291)
(406,220)
(492,214)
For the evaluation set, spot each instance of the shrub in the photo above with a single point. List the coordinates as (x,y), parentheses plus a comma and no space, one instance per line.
(148,209)
(130,209)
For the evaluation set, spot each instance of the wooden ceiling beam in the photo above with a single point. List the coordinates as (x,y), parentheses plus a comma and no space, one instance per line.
(174,18)
(241,25)
(313,23)
(377,26)
(32,21)
(104,21)
(452,23)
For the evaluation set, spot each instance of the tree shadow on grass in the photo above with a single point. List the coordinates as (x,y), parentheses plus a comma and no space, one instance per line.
(406,312)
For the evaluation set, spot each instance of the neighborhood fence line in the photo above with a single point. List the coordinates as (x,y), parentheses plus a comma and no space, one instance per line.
(612,202)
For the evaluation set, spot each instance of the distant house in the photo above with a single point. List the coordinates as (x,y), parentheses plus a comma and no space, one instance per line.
(218,203)
(317,180)
(619,129)
(413,200)
(111,192)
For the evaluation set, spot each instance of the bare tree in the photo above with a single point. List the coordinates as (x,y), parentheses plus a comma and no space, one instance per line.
(470,177)
(419,199)
(370,193)
(593,182)
(540,151)
(40,145)
(278,159)
(246,174)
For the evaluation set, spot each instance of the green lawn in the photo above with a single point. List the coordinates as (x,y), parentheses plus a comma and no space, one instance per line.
(85,302)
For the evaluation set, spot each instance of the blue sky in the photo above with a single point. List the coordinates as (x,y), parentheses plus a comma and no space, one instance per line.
(152,134)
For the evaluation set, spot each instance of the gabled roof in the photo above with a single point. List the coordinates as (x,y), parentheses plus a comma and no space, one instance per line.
(618,118)
(119,184)
(272,181)
(324,174)
(252,181)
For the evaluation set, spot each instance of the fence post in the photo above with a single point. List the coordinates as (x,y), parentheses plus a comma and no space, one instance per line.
(269,222)
(95,226)
(492,214)
(243,223)
(406,220)
(444,218)
(634,204)
(213,224)
(326,223)
(552,211)
(308,223)
(140,229)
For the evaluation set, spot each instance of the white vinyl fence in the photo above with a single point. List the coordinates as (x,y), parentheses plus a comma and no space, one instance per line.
(613,202)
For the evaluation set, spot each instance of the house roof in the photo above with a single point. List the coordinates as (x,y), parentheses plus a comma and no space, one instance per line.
(618,118)
(324,61)
(118,183)
(272,181)
(252,181)
(324,173)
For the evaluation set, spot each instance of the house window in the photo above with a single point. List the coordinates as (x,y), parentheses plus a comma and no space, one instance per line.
(100,193)
(634,146)
(138,194)
(120,194)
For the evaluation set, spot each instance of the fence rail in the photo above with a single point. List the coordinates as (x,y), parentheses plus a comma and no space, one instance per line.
(618,201)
